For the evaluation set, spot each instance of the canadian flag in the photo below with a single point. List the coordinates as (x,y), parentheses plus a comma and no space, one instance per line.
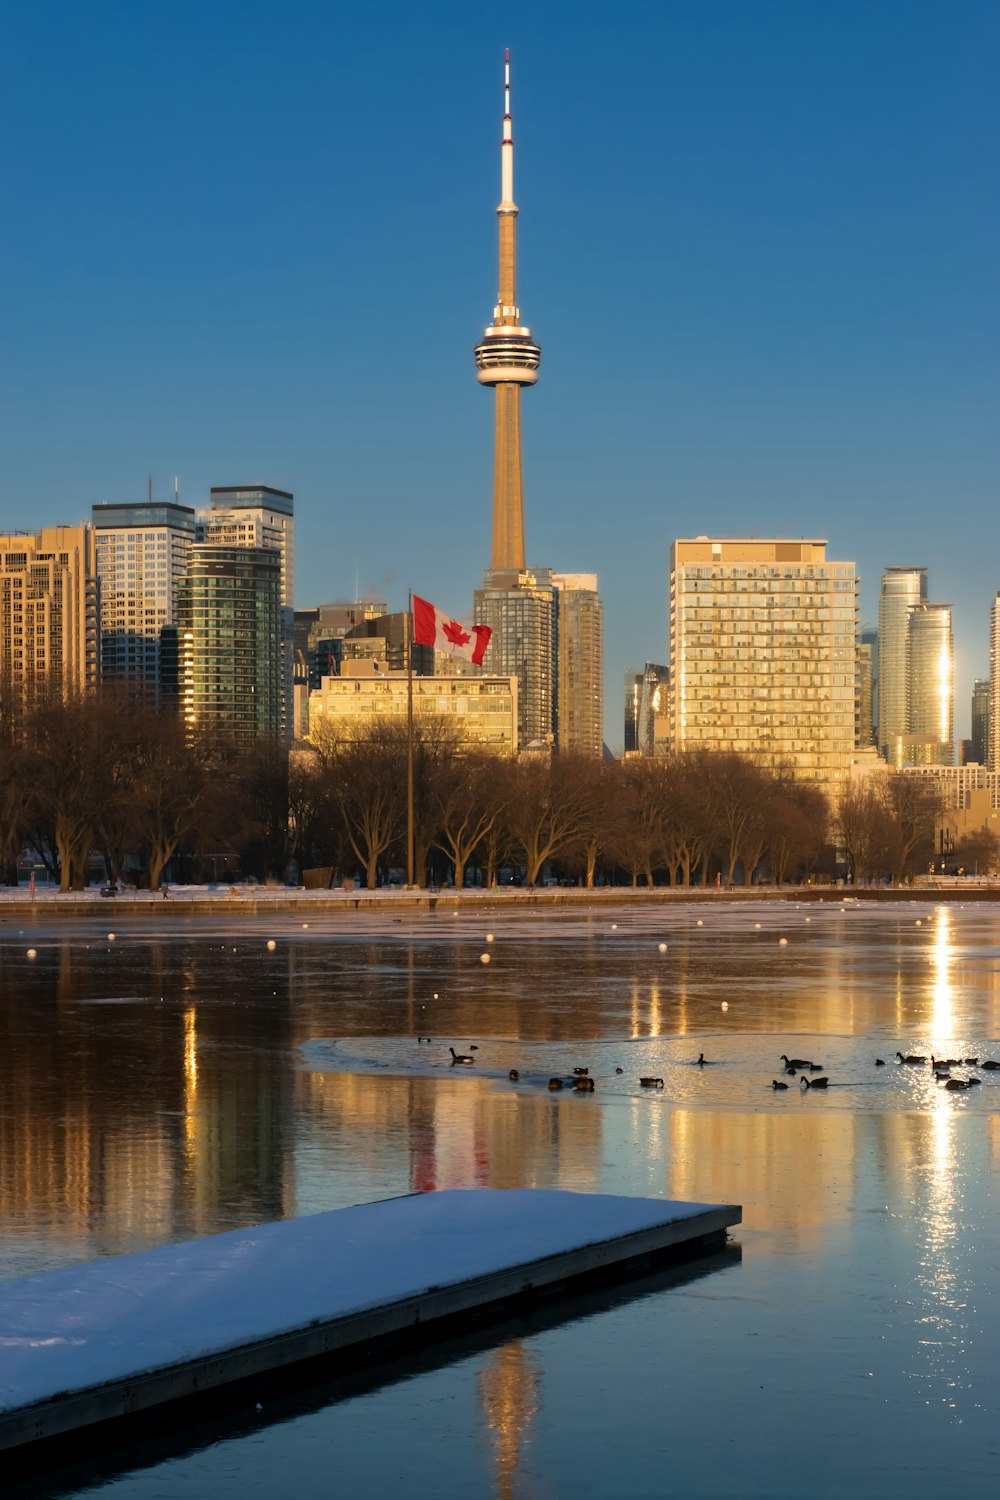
(432,628)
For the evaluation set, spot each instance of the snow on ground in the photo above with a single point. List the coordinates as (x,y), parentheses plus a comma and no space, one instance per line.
(108,1320)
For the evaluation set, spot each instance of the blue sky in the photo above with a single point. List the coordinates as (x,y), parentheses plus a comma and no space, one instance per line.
(758,244)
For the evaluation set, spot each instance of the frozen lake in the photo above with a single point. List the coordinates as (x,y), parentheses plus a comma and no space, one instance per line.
(182,1079)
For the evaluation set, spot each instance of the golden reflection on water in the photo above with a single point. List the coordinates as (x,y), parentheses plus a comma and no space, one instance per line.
(510,1395)
(942,957)
(190,1085)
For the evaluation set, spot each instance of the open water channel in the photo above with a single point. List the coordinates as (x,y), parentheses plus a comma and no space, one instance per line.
(183,1079)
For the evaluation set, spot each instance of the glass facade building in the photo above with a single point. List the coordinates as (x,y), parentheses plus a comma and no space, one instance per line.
(901,591)
(579,665)
(229,619)
(142,554)
(520,607)
(762,654)
(929,738)
(49,599)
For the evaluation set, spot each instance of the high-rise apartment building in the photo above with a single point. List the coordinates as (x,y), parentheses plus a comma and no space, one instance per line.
(229,616)
(993,740)
(980,720)
(49,601)
(762,654)
(863,730)
(258,516)
(520,608)
(579,665)
(929,738)
(901,591)
(142,553)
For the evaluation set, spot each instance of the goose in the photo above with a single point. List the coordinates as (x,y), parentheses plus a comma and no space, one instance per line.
(555,1083)
(581,1072)
(619,1070)
(513,1075)
(651,1083)
(701,1060)
(910,1059)
(989,1065)
(792,1072)
(973,1082)
(880,1062)
(583,1085)
(795,1062)
(941,1075)
(458,1057)
(972,1062)
(473,1046)
(940,1064)
(954,1084)
(815,1067)
(814,1083)
(776,1085)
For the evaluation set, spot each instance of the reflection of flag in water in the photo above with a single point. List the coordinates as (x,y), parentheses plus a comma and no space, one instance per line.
(432,628)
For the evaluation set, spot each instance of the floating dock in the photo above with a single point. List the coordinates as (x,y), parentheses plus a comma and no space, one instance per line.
(87,1349)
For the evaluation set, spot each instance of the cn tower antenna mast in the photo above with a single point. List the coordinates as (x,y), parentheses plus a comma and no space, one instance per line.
(507,359)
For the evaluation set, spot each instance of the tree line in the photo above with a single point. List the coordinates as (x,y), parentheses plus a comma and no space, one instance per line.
(103,775)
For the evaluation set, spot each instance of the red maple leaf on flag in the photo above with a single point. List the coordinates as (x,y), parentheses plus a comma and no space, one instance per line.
(456,635)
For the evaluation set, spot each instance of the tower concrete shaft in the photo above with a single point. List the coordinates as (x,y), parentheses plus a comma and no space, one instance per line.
(507,359)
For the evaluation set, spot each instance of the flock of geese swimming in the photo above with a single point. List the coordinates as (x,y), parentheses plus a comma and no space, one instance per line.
(580,1079)
(795,1067)
(941,1066)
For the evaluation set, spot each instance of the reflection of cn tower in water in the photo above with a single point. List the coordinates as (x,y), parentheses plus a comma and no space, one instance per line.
(509,1394)
(507,359)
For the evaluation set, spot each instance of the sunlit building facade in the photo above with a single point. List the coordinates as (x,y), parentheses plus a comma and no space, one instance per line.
(579,665)
(929,739)
(762,654)
(142,553)
(483,710)
(902,589)
(979,749)
(520,608)
(993,738)
(49,612)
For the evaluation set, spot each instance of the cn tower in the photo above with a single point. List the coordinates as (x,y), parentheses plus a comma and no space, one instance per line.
(507,359)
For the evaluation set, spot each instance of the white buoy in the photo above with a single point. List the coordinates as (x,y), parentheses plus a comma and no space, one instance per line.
(111,937)
(700,922)
(435,994)
(489,937)
(917,923)
(614,927)
(305,924)
(782,942)
(663,947)
(756,924)
(484,958)
(725,1005)
(808,919)
(271,945)
(32,952)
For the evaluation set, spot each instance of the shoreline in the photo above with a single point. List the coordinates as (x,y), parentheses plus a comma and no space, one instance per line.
(259,900)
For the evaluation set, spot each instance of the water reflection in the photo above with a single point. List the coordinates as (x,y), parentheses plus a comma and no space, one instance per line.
(509,1385)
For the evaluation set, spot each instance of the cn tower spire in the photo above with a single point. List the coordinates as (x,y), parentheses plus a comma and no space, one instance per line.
(507,359)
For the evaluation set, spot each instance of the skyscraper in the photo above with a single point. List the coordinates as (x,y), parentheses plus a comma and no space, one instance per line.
(521,610)
(993,742)
(929,738)
(902,589)
(579,665)
(506,359)
(980,720)
(49,639)
(142,553)
(762,655)
(230,625)
(258,516)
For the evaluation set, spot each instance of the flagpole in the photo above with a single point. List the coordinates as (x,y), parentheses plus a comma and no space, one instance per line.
(409,741)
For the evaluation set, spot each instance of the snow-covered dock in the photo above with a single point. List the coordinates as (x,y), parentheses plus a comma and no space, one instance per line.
(85,1346)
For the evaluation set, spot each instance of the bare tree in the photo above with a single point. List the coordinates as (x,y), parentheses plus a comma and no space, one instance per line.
(550,810)
(468,799)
